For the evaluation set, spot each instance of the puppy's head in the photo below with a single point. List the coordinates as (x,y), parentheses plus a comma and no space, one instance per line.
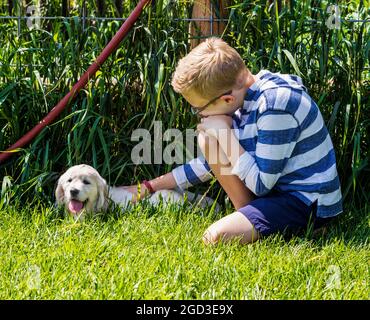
(81,189)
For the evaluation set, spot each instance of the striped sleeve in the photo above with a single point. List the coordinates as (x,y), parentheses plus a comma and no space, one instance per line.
(277,134)
(192,173)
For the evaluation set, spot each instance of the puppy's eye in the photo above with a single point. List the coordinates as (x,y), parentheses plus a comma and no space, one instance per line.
(69,180)
(86,182)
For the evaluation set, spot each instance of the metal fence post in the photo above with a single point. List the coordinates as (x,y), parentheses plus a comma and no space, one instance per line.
(19,4)
(83,15)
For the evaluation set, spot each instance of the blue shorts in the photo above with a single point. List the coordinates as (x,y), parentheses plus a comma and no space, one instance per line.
(282,212)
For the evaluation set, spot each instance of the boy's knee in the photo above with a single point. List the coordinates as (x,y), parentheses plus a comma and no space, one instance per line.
(210,149)
(205,142)
(212,235)
(235,226)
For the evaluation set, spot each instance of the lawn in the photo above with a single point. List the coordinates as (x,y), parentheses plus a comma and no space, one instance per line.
(157,253)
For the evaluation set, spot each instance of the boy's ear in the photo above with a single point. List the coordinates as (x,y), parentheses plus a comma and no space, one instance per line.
(228,98)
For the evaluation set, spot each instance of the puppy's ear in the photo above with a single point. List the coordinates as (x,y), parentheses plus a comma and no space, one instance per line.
(59,191)
(102,200)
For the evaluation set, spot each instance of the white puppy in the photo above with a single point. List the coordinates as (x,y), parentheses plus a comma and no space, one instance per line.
(81,189)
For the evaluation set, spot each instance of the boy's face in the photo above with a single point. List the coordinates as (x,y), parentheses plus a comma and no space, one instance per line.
(225,104)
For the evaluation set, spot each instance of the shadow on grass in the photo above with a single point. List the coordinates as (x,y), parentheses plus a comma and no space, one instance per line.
(351,227)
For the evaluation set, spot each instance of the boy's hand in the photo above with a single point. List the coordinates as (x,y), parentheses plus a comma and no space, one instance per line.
(134,190)
(212,124)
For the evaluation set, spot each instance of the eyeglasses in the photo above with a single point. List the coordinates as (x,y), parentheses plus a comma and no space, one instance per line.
(197,111)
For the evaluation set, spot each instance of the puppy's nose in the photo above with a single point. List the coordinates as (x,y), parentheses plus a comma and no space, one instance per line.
(74,192)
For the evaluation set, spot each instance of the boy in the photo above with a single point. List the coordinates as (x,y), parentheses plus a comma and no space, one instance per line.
(274,156)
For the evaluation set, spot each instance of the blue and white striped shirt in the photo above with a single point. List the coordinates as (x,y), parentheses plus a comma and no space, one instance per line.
(287,144)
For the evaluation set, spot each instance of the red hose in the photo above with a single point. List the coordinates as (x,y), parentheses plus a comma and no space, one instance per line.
(54,113)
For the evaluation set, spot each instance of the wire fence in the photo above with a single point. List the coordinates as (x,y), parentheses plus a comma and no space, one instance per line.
(29,15)
(83,16)
(30,10)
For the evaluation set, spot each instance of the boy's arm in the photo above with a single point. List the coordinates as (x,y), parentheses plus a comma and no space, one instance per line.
(165,181)
(194,172)
(278,132)
(184,176)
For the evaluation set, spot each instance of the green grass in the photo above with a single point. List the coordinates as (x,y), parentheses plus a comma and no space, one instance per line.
(150,253)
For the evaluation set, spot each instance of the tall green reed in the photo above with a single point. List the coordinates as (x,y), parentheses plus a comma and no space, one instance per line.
(132,89)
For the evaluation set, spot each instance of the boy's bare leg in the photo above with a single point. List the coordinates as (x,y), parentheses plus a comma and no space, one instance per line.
(235,225)
(237,191)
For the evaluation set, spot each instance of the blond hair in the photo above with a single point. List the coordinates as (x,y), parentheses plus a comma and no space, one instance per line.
(209,69)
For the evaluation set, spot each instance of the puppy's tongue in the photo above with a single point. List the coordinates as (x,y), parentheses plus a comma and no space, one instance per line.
(75,206)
